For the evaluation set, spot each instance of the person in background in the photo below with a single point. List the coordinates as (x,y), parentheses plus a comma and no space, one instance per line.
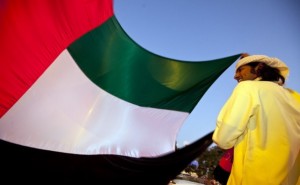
(222,171)
(261,122)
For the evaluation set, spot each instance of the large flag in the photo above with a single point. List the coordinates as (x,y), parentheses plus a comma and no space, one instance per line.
(79,99)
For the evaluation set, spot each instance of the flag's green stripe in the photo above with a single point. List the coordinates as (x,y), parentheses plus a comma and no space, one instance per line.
(120,66)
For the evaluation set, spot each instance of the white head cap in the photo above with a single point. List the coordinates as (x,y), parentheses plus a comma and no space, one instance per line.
(270,61)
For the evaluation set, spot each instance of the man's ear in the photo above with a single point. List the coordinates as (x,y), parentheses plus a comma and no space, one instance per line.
(259,68)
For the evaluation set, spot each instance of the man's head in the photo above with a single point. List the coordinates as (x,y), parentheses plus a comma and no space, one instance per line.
(267,68)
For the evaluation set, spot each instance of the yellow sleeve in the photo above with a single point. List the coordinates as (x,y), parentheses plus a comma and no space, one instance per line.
(234,116)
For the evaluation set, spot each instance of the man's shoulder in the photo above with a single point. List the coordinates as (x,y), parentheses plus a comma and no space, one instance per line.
(252,86)
(253,83)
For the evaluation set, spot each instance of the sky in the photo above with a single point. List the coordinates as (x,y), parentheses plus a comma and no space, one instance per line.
(201,30)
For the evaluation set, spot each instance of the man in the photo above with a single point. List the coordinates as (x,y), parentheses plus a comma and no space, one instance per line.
(222,170)
(261,120)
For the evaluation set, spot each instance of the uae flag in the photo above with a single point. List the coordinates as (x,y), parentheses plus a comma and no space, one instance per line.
(80,101)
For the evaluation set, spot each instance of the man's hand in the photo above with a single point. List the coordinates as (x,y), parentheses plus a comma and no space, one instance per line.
(243,55)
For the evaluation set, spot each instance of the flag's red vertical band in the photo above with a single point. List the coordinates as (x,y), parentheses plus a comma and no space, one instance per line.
(34,32)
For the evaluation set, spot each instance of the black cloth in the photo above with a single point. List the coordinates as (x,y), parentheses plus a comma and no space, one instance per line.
(22,164)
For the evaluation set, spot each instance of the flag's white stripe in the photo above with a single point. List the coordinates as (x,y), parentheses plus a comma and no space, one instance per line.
(64,111)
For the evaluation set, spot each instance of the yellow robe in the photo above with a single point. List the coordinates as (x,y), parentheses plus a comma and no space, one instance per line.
(261,120)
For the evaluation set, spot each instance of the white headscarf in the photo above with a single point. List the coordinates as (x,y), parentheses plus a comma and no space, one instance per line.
(270,61)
